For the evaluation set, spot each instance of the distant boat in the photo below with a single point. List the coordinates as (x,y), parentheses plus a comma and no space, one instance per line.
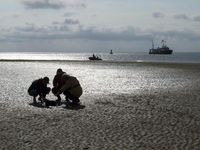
(160,50)
(93,57)
(111,52)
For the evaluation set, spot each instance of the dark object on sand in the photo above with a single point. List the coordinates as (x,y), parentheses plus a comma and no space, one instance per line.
(74,107)
(94,57)
(160,50)
(69,105)
(51,103)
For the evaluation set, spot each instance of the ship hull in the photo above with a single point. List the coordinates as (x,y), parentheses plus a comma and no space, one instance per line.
(155,51)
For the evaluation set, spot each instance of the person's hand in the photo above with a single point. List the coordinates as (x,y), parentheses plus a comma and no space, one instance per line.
(58,93)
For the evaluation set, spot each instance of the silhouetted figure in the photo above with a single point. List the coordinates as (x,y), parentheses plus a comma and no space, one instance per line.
(71,88)
(39,87)
(57,84)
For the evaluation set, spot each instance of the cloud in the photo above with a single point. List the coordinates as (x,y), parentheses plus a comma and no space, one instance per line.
(66,25)
(175,34)
(30,28)
(68,14)
(71,22)
(43,4)
(52,4)
(197,18)
(72,29)
(86,37)
(126,34)
(177,17)
(187,18)
(62,31)
(158,15)
(55,23)
(181,17)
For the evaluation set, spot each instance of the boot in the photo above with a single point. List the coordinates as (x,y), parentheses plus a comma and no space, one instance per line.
(34,100)
(41,99)
(58,100)
(68,103)
(75,102)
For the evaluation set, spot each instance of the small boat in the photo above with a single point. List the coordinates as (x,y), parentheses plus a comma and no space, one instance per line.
(160,50)
(94,57)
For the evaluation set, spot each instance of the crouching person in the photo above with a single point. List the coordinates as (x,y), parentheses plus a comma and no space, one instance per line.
(39,87)
(57,84)
(71,88)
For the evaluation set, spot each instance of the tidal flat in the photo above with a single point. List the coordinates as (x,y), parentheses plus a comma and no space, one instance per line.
(138,106)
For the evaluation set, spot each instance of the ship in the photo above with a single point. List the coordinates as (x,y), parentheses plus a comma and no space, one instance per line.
(160,50)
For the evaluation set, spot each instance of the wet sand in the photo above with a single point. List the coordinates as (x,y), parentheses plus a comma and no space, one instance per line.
(159,110)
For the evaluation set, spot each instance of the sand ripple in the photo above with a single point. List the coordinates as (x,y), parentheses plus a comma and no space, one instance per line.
(154,118)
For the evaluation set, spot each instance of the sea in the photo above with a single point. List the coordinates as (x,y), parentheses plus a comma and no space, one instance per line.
(179,57)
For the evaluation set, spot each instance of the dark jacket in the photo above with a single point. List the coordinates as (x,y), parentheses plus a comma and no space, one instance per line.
(38,85)
(57,82)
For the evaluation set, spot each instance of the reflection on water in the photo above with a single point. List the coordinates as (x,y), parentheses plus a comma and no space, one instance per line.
(96,78)
(117,57)
(43,56)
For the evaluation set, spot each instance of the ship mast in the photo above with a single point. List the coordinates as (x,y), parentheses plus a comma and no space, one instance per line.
(163,43)
(152,45)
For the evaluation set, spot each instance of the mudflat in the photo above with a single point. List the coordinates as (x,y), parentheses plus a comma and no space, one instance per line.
(155,106)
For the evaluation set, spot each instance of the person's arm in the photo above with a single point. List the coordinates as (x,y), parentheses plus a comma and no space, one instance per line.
(65,86)
(55,81)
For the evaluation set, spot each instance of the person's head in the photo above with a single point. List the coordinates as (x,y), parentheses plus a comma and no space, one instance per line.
(59,71)
(65,76)
(46,80)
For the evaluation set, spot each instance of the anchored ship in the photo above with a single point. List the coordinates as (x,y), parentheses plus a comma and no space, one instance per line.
(160,50)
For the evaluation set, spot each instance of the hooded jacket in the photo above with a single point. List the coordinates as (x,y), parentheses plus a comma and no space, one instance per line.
(38,85)
(71,84)
(57,81)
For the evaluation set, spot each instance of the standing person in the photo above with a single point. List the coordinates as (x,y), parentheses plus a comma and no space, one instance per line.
(39,87)
(71,88)
(57,83)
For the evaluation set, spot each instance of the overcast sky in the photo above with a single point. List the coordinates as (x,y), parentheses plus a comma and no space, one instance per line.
(98,25)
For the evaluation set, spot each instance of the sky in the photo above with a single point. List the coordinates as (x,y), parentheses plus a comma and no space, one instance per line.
(98,25)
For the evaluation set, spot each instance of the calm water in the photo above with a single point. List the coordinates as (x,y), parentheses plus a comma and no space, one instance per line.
(116,57)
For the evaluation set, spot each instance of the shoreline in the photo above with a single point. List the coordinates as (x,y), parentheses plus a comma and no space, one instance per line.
(104,61)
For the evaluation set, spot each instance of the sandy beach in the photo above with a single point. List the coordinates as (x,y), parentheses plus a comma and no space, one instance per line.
(133,106)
